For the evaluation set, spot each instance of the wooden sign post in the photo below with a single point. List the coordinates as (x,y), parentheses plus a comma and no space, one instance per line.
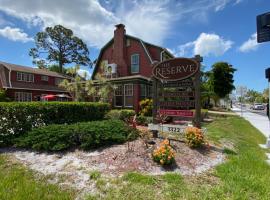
(176,88)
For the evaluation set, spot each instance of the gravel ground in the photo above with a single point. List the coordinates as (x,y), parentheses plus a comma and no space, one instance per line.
(73,169)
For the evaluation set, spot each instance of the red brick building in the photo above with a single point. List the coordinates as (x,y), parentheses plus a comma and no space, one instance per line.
(127,61)
(29,84)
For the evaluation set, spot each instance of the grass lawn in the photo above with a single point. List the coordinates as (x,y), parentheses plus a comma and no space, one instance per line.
(245,175)
(18,183)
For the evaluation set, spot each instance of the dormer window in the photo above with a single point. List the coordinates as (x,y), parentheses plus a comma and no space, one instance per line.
(58,81)
(26,77)
(44,78)
(135,63)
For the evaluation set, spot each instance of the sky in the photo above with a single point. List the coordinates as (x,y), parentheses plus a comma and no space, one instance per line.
(218,30)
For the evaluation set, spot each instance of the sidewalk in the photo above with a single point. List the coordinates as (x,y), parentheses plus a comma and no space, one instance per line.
(258,121)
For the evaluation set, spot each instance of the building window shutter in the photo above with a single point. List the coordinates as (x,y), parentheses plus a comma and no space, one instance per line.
(135,63)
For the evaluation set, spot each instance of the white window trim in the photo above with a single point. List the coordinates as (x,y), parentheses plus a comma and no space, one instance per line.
(46,79)
(145,90)
(135,54)
(22,94)
(23,77)
(128,96)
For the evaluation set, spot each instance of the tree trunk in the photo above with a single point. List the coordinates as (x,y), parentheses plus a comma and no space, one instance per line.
(61,66)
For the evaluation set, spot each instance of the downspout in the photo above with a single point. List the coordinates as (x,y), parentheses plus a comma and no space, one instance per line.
(161,53)
(9,79)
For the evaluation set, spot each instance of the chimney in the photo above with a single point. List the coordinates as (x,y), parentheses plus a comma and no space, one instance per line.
(119,50)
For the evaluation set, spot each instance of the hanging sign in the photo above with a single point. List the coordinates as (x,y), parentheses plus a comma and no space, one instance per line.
(175,69)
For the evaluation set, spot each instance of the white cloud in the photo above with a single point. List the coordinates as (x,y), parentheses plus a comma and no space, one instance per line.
(205,45)
(15,34)
(250,45)
(94,20)
(237,2)
(83,72)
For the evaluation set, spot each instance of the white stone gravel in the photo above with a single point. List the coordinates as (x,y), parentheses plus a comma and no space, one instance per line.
(73,169)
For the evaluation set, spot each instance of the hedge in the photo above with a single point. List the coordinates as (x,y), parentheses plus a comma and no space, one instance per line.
(122,114)
(85,135)
(17,118)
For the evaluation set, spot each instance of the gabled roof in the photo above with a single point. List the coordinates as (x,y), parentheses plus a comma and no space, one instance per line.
(20,68)
(143,43)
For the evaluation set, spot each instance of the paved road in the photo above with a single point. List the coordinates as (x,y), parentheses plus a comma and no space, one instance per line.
(259,112)
(258,120)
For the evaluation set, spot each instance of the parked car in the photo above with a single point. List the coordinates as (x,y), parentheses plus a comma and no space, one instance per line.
(258,106)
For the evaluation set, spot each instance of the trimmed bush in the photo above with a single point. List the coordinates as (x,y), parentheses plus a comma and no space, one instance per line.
(85,135)
(120,114)
(17,118)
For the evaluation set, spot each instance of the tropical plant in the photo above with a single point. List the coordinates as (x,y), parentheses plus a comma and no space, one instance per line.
(146,107)
(78,86)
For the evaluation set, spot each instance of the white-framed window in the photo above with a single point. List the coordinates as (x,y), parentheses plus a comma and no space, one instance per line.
(26,77)
(128,95)
(135,63)
(58,81)
(23,96)
(143,91)
(44,78)
(96,96)
(118,96)
(149,91)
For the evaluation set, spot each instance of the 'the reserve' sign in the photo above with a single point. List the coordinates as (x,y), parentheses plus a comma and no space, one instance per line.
(175,69)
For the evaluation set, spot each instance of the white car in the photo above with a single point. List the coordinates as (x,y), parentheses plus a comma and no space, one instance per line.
(258,106)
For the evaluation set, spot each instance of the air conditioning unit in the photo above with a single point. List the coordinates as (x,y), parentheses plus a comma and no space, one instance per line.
(111,68)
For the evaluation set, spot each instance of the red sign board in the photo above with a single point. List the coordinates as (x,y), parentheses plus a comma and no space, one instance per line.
(178,113)
(175,69)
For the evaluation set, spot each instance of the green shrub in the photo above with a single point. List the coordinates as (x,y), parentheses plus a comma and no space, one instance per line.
(17,118)
(146,107)
(85,135)
(3,96)
(120,114)
(141,120)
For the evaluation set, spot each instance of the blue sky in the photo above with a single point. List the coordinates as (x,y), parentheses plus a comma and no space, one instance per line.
(220,30)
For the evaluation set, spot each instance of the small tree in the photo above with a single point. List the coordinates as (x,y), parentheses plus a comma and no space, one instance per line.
(221,79)
(58,44)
